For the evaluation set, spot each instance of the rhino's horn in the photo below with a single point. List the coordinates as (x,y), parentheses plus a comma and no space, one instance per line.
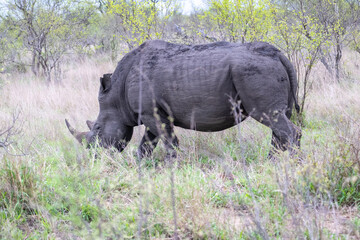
(90,124)
(80,136)
(71,129)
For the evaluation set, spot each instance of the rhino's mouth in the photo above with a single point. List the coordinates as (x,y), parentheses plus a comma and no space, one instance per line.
(107,142)
(112,143)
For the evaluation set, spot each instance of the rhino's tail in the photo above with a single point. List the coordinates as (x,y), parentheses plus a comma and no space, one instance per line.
(292,77)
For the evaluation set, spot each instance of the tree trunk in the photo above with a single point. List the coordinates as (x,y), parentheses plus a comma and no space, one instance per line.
(48,75)
(338,57)
(34,64)
(326,65)
(57,72)
(357,50)
(46,69)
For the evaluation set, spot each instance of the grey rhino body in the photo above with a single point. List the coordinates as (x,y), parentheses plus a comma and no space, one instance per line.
(161,84)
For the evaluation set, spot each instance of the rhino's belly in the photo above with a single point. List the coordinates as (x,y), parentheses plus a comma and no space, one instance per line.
(212,125)
(207,118)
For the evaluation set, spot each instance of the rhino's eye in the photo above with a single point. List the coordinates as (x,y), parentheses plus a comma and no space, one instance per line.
(97,128)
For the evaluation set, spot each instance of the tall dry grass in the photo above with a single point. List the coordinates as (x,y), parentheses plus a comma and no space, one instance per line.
(45,106)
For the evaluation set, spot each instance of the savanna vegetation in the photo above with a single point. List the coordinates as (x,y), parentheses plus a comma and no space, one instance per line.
(221,185)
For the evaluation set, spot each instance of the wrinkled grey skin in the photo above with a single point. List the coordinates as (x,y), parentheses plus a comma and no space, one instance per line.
(162,85)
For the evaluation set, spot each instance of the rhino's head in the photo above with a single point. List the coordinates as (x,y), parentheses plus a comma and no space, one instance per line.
(108,128)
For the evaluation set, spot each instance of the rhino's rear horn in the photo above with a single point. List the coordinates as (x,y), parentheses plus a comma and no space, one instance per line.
(90,124)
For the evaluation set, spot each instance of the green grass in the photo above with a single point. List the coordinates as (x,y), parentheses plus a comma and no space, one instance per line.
(67,192)
(64,191)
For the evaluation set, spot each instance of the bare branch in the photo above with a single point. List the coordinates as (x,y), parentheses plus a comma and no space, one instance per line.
(9,132)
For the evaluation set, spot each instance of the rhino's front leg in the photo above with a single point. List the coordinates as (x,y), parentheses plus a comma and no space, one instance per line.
(147,144)
(171,142)
(275,146)
(165,131)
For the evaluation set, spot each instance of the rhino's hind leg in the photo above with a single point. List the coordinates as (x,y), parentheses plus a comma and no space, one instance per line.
(285,134)
(275,146)
(147,144)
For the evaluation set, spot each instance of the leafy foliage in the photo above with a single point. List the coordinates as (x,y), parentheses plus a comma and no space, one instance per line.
(239,20)
(140,21)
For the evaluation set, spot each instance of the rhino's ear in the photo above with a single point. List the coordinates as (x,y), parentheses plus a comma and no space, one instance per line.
(90,124)
(105,82)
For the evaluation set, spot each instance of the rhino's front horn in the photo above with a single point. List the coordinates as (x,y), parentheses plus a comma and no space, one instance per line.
(80,136)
